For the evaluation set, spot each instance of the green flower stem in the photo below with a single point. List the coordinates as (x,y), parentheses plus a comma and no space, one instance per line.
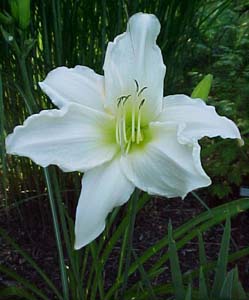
(99,262)
(74,268)
(128,239)
(32,107)
(98,281)
(57,235)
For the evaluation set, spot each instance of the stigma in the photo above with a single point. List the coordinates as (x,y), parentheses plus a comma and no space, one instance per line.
(128,120)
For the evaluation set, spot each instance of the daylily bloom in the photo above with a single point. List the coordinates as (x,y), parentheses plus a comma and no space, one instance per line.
(119,129)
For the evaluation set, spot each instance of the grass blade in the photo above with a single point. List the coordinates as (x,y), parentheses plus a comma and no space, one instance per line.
(222,260)
(31,262)
(128,247)
(187,231)
(226,290)
(238,291)
(57,235)
(203,291)
(175,266)
(167,289)
(189,292)
(16,291)
(202,252)
(25,283)
(145,279)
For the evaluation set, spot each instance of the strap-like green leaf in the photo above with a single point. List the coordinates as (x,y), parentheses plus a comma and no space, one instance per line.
(175,266)
(226,290)
(16,291)
(145,280)
(24,282)
(187,231)
(202,253)
(222,260)
(189,292)
(238,292)
(167,289)
(32,263)
(203,291)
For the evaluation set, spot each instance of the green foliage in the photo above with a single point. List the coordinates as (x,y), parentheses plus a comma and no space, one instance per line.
(222,49)
(182,235)
(226,285)
(98,253)
(175,266)
(20,10)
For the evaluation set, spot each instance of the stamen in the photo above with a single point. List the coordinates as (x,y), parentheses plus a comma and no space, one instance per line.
(137,85)
(125,136)
(139,136)
(118,136)
(140,92)
(126,98)
(121,137)
(117,132)
(119,100)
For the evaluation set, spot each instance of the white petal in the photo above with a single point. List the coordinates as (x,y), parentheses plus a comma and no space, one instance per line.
(164,166)
(103,188)
(197,119)
(77,85)
(73,138)
(134,55)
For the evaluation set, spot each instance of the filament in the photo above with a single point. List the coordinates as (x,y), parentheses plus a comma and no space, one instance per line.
(124,123)
(138,127)
(133,121)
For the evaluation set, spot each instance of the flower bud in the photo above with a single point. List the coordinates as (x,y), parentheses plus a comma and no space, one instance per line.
(203,88)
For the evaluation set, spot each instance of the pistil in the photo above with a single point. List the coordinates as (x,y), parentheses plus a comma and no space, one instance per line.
(139,136)
(124,123)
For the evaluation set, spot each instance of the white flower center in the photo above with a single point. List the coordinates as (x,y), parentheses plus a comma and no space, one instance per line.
(128,120)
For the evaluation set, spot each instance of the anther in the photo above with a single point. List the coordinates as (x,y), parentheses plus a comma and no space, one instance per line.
(126,98)
(119,101)
(140,92)
(137,85)
(141,104)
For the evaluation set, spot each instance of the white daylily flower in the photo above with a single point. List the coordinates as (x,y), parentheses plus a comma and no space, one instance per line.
(119,129)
